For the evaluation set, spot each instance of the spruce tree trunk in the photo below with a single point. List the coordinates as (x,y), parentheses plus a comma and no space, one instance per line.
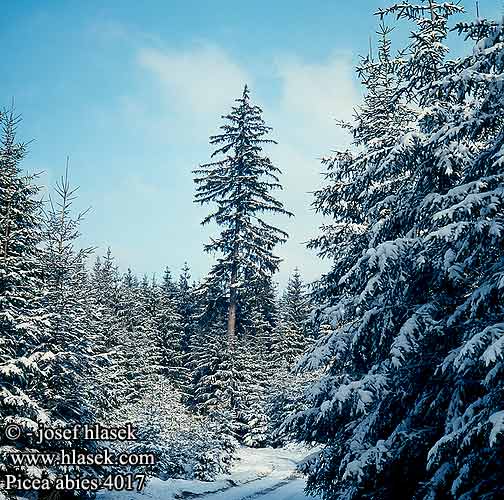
(231,326)
(233,295)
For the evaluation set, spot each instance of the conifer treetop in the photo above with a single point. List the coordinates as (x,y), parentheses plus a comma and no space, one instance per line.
(427,48)
(239,183)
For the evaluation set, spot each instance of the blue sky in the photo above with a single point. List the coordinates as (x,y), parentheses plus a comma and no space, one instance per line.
(131,91)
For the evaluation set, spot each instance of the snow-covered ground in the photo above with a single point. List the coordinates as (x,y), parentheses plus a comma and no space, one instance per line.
(262,474)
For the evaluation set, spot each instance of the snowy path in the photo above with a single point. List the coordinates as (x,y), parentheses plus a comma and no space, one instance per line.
(258,474)
(280,480)
(293,490)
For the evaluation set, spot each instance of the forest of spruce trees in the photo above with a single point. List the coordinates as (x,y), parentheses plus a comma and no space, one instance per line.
(391,364)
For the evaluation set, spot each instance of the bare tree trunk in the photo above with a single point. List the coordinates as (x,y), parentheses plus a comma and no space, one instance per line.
(231,326)
(233,294)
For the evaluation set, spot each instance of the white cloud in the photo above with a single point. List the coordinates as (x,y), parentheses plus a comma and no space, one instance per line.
(199,80)
(313,96)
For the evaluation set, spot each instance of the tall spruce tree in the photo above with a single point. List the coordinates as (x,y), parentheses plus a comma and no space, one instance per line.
(71,338)
(23,321)
(74,389)
(410,405)
(239,183)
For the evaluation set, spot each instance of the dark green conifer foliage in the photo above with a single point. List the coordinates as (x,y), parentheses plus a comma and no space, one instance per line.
(24,359)
(240,183)
(293,325)
(71,335)
(409,404)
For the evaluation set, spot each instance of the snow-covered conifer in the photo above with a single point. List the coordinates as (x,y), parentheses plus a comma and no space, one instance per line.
(105,291)
(293,331)
(169,332)
(23,321)
(240,182)
(140,350)
(187,309)
(409,403)
(71,337)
